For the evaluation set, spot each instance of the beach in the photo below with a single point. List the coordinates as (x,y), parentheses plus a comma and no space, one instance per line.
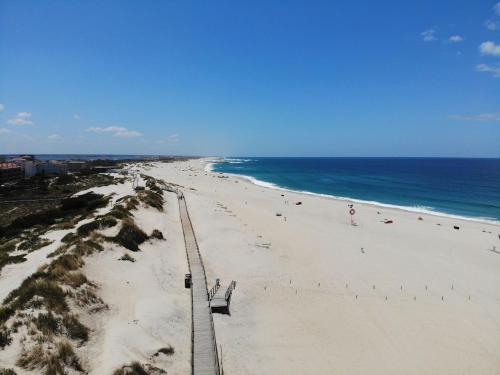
(317,295)
(399,292)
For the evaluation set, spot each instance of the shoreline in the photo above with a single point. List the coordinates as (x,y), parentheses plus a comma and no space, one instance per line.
(316,291)
(208,167)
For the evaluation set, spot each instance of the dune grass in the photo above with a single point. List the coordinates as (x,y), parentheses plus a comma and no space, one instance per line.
(130,236)
(51,362)
(5,338)
(7,371)
(101,223)
(127,257)
(151,199)
(157,234)
(135,368)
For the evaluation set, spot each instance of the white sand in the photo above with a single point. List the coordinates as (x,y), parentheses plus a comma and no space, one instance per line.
(149,308)
(292,312)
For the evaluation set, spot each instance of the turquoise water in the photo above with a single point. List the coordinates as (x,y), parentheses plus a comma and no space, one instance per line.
(463,187)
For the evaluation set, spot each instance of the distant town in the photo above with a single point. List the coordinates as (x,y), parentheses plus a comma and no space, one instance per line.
(14,169)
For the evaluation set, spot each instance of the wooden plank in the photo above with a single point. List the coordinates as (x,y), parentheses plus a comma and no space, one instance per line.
(204,359)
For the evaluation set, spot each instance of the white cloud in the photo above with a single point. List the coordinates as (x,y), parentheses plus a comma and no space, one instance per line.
(496,8)
(489,48)
(128,134)
(494,69)
(455,38)
(2,107)
(4,131)
(54,136)
(478,117)
(428,35)
(117,131)
(77,116)
(491,25)
(173,138)
(22,118)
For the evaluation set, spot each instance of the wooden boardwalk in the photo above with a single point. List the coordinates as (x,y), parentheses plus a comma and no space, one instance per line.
(204,358)
(220,298)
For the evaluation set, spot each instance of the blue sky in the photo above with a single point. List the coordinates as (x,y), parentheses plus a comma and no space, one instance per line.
(262,78)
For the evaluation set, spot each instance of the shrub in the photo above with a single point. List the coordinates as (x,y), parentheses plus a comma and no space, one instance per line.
(135,368)
(119,212)
(47,217)
(5,313)
(31,360)
(7,371)
(65,263)
(151,199)
(75,329)
(7,259)
(52,296)
(53,363)
(70,237)
(81,201)
(48,323)
(157,234)
(8,247)
(74,279)
(34,243)
(104,222)
(87,247)
(130,236)
(169,350)
(127,258)
(65,179)
(5,338)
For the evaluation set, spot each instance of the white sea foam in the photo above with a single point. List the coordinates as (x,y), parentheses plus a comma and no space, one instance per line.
(209,166)
(417,209)
(236,160)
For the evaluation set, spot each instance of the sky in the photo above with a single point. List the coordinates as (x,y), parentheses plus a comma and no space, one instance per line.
(251,78)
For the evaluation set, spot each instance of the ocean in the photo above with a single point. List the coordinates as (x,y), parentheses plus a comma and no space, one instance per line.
(467,188)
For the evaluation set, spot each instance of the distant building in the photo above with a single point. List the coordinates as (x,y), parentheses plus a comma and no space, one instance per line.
(51,167)
(10,172)
(29,169)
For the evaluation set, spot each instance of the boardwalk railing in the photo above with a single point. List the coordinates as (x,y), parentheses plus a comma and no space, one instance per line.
(229,291)
(214,290)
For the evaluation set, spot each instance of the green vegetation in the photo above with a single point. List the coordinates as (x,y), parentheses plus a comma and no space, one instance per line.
(33,243)
(157,234)
(69,208)
(130,236)
(7,371)
(53,362)
(75,330)
(5,338)
(135,368)
(119,212)
(70,237)
(50,324)
(102,223)
(8,259)
(151,199)
(127,258)
(169,350)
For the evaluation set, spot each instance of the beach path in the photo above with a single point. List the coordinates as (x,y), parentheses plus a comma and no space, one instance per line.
(204,359)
